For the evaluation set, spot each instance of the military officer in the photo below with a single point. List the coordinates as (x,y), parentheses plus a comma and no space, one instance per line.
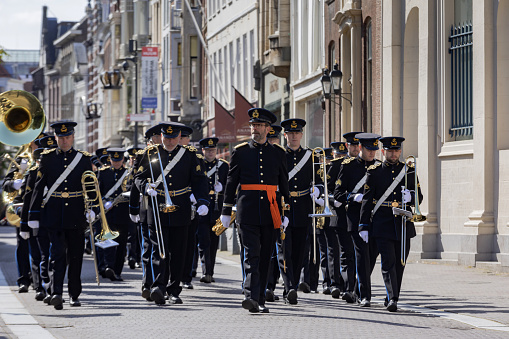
(217,170)
(134,234)
(100,153)
(348,191)
(274,134)
(257,169)
(182,174)
(385,189)
(112,183)
(62,211)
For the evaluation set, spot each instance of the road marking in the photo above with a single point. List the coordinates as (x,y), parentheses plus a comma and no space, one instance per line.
(16,317)
(467,319)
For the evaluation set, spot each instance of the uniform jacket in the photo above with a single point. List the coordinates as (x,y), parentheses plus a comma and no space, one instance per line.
(351,172)
(222,174)
(59,213)
(137,201)
(254,163)
(28,185)
(384,223)
(108,177)
(186,173)
(332,177)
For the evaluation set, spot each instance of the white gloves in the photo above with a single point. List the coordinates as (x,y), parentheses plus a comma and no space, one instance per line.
(90,215)
(358,197)
(225,220)
(284,224)
(16,184)
(193,199)
(150,189)
(315,192)
(202,210)
(24,235)
(218,187)
(337,203)
(364,236)
(23,165)
(319,201)
(108,205)
(407,197)
(135,218)
(33,224)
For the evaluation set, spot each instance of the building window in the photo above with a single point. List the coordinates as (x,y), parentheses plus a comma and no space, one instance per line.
(461,40)
(369,79)
(314,125)
(194,81)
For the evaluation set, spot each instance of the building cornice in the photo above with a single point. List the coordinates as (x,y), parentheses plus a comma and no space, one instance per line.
(345,19)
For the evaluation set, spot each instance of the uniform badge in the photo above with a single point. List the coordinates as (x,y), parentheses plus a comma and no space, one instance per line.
(394,142)
(341,147)
(293,124)
(169,130)
(198,168)
(256,114)
(105,152)
(140,169)
(366,187)
(355,139)
(272,131)
(116,155)
(375,143)
(211,142)
(49,142)
(63,129)
(338,182)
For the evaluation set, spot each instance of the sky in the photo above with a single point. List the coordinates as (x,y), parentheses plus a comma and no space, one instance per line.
(20,20)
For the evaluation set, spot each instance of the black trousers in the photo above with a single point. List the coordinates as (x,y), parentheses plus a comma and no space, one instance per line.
(392,269)
(133,243)
(35,258)
(208,242)
(346,265)
(146,257)
(258,244)
(116,255)
(365,259)
(273,275)
(310,272)
(44,245)
(294,253)
(22,256)
(187,275)
(168,271)
(66,251)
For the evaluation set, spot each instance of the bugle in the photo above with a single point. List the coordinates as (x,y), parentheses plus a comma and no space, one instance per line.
(219,229)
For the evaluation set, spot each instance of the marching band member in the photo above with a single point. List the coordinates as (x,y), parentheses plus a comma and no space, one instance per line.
(134,231)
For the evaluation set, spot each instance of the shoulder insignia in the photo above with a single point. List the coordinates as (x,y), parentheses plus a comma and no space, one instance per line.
(226,162)
(140,169)
(347,161)
(241,144)
(104,168)
(34,167)
(199,156)
(198,168)
(366,187)
(336,159)
(278,145)
(149,147)
(47,151)
(338,182)
(141,151)
(85,153)
(39,174)
(191,148)
(372,167)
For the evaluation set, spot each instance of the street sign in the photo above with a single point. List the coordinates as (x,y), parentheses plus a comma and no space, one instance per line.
(149,81)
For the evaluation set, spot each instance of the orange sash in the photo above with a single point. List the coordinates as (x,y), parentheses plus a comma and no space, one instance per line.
(271,194)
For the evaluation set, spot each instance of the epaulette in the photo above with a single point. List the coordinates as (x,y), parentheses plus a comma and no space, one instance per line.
(278,145)
(347,161)
(241,144)
(191,148)
(336,159)
(47,151)
(85,153)
(34,167)
(141,151)
(372,167)
(226,162)
(104,168)
(149,147)
(199,156)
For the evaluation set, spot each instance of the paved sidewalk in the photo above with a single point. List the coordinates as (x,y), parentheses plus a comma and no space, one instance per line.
(214,310)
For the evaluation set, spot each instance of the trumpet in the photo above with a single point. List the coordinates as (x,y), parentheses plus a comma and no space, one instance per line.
(326,210)
(414,217)
(219,229)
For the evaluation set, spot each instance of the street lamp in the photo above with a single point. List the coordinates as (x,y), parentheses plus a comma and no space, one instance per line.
(331,85)
(112,79)
(92,111)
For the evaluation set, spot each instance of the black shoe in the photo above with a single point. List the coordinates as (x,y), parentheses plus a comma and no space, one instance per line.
(291,297)
(335,293)
(132,263)
(145,293)
(117,278)
(206,279)
(101,273)
(263,309)
(23,288)
(250,305)
(175,300)
(88,250)
(348,297)
(47,299)
(157,295)
(269,295)
(187,285)
(326,290)
(365,303)
(276,298)
(109,273)
(40,295)
(75,302)
(57,302)
(304,287)
(392,306)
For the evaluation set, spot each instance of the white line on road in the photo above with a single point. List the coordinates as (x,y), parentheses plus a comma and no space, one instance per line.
(16,317)
(467,319)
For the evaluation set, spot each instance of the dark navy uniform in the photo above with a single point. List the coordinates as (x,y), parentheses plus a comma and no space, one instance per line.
(207,239)
(351,172)
(63,215)
(383,225)
(186,176)
(264,167)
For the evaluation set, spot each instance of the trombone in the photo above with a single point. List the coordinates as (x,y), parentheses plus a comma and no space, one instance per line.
(326,211)
(92,198)
(413,217)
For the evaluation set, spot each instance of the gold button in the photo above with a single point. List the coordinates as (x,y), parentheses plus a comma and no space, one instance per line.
(294,164)
(116,179)
(65,180)
(260,152)
(294,178)
(261,166)
(261,173)
(171,184)
(65,165)
(169,176)
(66,204)
(295,201)
(261,197)
(392,171)
(295,186)
(65,158)
(261,181)
(261,159)
(65,188)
